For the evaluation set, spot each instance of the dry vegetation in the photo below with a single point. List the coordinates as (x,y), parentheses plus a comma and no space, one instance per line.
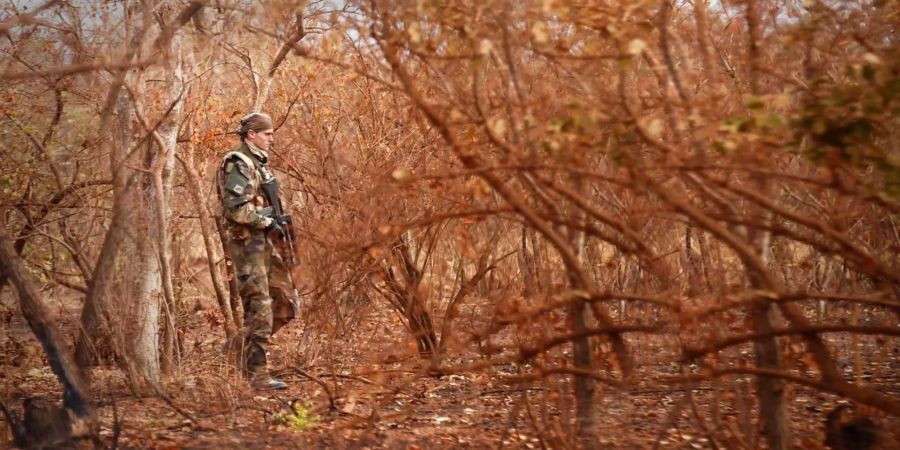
(552,224)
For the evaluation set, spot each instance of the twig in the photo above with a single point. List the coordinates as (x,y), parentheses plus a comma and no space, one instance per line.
(117,424)
(736,340)
(349,377)
(671,419)
(324,385)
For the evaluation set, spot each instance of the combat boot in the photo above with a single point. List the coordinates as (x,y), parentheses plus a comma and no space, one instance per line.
(260,379)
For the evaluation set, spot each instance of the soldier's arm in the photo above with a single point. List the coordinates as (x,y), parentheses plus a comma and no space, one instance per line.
(237,202)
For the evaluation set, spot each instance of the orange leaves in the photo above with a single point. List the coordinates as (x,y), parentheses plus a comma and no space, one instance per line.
(636,47)
(414,33)
(464,244)
(539,32)
(401,174)
(478,187)
(469,220)
(205,139)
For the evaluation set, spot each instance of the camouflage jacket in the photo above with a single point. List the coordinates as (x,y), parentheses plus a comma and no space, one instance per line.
(242,173)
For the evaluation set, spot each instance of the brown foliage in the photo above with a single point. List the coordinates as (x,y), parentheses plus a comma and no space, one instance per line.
(567,196)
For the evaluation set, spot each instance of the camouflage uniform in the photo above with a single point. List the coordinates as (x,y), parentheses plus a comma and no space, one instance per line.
(264,280)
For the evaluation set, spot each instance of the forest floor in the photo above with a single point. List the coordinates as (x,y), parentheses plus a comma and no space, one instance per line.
(370,391)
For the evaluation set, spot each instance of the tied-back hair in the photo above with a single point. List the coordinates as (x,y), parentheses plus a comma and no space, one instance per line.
(254,121)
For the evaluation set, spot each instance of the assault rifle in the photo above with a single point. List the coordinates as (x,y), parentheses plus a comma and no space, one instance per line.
(284,241)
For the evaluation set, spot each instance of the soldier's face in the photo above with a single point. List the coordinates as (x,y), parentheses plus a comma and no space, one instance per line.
(261,139)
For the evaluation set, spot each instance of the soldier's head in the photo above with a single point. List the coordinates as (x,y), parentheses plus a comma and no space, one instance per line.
(256,128)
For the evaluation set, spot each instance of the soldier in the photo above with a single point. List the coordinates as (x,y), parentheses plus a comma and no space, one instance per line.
(264,280)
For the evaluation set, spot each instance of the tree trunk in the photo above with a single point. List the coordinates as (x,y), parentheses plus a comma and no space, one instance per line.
(206,229)
(528,266)
(772,405)
(583,385)
(264,83)
(95,331)
(163,178)
(581,346)
(76,393)
(135,329)
(141,307)
(141,280)
(231,278)
(406,298)
(421,326)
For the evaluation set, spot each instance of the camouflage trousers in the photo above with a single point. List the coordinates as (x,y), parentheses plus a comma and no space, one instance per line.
(267,295)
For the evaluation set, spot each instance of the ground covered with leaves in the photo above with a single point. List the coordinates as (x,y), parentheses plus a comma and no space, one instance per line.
(366,388)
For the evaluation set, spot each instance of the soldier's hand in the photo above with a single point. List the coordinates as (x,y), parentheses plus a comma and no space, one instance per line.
(275,228)
(287,225)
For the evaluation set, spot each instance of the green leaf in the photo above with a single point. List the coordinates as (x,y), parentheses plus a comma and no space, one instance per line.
(753,102)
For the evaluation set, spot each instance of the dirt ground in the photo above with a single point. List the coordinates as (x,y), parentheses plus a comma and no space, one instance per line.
(366,389)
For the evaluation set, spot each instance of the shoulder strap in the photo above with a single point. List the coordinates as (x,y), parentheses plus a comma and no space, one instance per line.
(246,159)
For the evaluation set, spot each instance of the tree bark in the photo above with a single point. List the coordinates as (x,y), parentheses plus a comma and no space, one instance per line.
(263,85)
(206,229)
(141,281)
(772,405)
(582,358)
(76,391)
(163,178)
(141,293)
(94,321)
(409,301)
(93,314)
